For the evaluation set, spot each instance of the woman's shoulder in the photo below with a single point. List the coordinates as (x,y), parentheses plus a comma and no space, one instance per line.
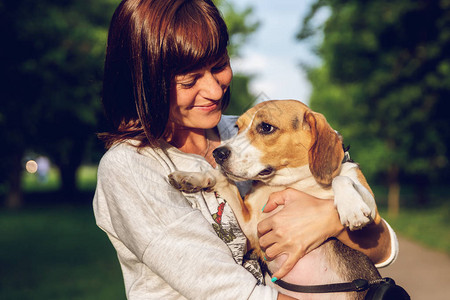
(118,154)
(126,156)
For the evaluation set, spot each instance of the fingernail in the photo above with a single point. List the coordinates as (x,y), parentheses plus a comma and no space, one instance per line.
(263,207)
(274,279)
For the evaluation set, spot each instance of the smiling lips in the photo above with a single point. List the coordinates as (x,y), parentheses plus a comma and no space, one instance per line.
(207,107)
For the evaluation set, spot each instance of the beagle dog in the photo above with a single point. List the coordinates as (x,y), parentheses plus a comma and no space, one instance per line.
(280,144)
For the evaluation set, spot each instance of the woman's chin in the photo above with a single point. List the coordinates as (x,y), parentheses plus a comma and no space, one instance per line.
(210,120)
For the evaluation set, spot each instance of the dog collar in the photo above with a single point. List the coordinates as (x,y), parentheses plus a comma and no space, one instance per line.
(346,154)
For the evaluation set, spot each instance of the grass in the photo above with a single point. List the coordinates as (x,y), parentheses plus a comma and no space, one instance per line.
(32,182)
(86,180)
(56,253)
(427,226)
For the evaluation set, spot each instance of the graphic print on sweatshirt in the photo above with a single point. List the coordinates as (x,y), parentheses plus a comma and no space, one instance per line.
(228,230)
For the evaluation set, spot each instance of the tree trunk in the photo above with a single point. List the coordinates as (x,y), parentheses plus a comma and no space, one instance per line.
(393,191)
(68,179)
(421,184)
(68,167)
(14,198)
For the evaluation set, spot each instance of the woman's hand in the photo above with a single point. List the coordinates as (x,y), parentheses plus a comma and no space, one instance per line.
(302,225)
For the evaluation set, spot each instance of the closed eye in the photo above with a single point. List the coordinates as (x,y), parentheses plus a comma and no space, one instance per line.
(266,128)
(221,65)
(219,68)
(188,85)
(187,81)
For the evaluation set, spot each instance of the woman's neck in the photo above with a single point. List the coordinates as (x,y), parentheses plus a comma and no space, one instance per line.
(189,140)
(197,141)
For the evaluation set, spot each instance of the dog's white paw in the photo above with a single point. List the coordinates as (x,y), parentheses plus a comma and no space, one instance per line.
(191,182)
(355,217)
(354,213)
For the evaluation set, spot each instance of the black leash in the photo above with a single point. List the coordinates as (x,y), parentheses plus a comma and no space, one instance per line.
(357,285)
(378,289)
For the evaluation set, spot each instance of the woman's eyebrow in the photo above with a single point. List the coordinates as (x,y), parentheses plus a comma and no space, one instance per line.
(188,76)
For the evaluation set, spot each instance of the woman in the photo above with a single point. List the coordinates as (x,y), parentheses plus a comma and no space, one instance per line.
(167,77)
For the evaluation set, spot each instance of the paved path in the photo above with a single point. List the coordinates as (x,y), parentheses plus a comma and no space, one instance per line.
(424,273)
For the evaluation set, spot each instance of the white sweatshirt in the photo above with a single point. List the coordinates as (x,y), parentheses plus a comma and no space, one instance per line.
(168,242)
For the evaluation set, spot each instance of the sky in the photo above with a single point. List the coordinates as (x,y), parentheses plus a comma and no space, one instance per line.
(272,53)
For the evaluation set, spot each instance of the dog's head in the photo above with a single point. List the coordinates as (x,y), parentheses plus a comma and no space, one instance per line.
(280,142)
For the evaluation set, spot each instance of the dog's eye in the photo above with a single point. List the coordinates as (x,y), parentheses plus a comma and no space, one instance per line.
(265,128)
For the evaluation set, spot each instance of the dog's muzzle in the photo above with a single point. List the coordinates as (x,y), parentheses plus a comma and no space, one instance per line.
(221,154)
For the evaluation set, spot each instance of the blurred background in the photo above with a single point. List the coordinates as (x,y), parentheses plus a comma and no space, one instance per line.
(378,70)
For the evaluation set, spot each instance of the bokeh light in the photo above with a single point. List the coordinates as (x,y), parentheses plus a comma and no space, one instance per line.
(31,166)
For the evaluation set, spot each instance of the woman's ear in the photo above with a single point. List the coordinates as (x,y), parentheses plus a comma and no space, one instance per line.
(325,152)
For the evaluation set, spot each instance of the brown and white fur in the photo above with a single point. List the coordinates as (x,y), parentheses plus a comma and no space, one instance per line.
(280,144)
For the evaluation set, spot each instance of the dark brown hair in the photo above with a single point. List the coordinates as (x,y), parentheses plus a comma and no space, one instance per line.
(149,43)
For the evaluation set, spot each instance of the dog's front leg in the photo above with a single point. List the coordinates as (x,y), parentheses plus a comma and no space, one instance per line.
(354,203)
(192,182)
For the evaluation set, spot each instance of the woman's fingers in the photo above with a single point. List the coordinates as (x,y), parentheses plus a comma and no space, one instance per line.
(285,268)
(264,227)
(276,199)
(302,225)
(272,251)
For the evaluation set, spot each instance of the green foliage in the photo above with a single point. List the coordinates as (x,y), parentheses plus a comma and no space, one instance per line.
(428,226)
(56,253)
(52,65)
(32,182)
(52,74)
(241,99)
(86,180)
(240,26)
(385,83)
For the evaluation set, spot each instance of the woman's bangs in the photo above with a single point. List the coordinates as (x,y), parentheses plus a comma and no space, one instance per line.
(200,39)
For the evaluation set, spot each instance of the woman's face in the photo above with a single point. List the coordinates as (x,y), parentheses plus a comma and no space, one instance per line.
(196,96)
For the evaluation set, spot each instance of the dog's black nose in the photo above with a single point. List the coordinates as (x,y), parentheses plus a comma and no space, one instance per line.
(221,154)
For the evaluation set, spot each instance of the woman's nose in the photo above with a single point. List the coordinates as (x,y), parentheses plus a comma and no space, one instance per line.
(212,87)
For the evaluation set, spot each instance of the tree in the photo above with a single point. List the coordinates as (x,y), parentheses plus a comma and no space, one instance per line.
(52,75)
(240,26)
(384,84)
(52,68)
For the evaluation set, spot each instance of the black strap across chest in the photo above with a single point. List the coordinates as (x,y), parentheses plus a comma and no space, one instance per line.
(383,288)
(357,285)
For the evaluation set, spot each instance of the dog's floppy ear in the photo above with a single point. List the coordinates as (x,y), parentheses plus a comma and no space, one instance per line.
(325,152)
